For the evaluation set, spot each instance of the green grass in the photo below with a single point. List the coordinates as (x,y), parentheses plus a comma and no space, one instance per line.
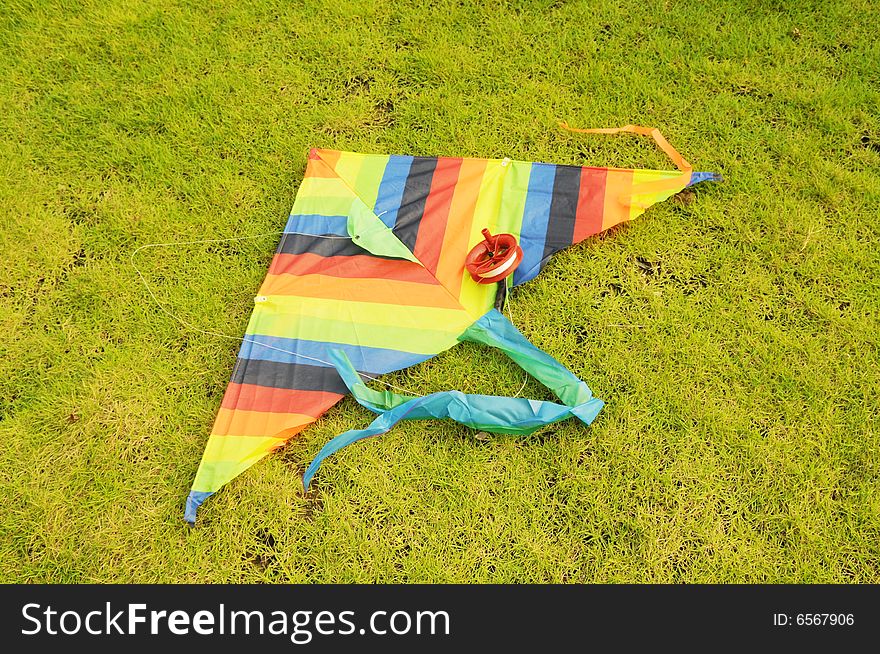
(733,334)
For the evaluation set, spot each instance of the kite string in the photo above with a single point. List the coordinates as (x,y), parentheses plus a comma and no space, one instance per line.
(241,339)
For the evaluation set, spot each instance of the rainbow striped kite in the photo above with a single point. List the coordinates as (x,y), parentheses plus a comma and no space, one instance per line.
(369,278)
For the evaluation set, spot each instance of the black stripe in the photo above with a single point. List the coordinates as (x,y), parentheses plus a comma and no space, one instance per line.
(325,247)
(563,209)
(293,376)
(412,204)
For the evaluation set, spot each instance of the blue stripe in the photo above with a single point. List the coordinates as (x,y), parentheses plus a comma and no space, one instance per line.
(391,189)
(365,359)
(315,224)
(535,219)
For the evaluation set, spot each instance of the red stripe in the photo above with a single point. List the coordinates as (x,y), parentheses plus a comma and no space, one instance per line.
(354,266)
(250,397)
(591,203)
(432,227)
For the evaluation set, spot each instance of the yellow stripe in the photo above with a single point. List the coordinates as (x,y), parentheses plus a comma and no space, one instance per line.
(324,187)
(362,173)
(323,196)
(348,167)
(642,202)
(239,422)
(371,313)
(478,298)
(425,338)
(513,200)
(370,178)
(226,457)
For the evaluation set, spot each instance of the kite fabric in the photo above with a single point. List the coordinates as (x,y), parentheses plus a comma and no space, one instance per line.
(369,278)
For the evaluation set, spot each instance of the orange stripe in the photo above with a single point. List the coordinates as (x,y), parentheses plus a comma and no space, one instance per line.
(252,397)
(317,168)
(618,185)
(354,266)
(450,267)
(387,291)
(236,422)
(330,157)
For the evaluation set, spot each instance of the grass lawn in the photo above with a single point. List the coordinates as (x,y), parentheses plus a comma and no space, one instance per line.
(733,333)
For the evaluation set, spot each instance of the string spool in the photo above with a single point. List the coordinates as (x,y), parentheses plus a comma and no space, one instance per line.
(494,258)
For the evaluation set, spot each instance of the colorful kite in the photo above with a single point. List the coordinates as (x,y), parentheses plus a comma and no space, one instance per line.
(370,277)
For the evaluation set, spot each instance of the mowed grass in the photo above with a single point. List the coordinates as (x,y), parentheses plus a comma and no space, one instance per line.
(733,333)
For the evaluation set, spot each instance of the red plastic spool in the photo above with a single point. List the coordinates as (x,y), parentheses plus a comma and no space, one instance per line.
(493,258)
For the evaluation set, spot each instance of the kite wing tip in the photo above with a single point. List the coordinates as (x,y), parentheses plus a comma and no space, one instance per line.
(697,177)
(193,502)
